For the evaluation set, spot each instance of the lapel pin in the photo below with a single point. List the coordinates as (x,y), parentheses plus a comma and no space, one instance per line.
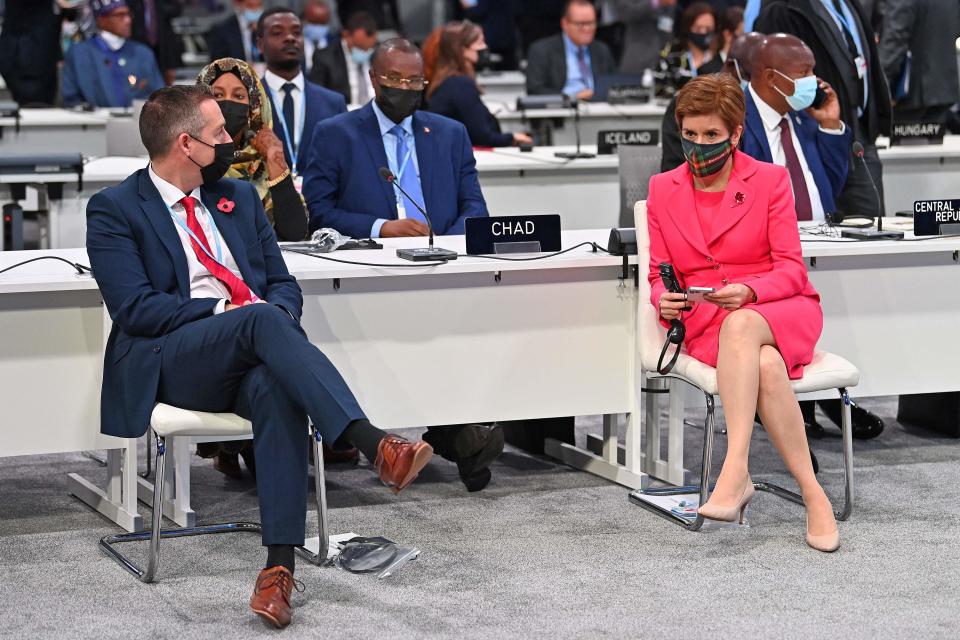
(426,129)
(739,198)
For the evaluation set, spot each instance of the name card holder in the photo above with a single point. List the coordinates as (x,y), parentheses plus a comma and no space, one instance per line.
(916,133)
(512,234)
(936,217)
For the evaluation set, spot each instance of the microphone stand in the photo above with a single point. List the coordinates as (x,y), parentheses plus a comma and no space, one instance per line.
(573,155)
(418,255)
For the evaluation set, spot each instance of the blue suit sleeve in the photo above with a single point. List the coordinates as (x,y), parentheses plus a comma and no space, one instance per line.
(69,86)
(469,195)
(282,288)
(321,187)
(134,305)
(835,154)
(476,117)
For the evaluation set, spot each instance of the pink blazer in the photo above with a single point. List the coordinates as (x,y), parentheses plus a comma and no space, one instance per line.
(754,240)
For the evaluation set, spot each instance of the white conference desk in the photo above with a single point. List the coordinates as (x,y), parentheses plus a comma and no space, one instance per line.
(56,130)
(503,340)
(557,125)
(475,340)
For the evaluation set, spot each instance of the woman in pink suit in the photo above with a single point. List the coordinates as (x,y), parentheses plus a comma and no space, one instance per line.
(727,221)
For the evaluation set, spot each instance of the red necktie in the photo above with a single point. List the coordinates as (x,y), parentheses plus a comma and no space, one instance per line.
(800,194)
(240,293)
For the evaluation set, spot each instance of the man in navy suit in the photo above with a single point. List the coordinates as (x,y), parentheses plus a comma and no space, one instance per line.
(433,161)
(431,156)
(814,145)
(234,37)
(207,318)
(783,128)
(298,105)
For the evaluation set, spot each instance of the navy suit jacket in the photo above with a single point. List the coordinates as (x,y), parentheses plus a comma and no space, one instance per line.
(225,40)
(827,155)
(141,269)
(344,190)
(320,104)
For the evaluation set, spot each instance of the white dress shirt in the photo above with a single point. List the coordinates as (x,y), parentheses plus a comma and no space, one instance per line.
(203,284)
(771,124)
(357,75)
(275,85)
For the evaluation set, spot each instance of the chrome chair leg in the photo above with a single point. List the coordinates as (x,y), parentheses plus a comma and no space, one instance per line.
(846,427)
(156,533)
(320,486)
(636,497)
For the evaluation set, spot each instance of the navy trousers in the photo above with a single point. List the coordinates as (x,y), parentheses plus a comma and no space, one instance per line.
(257,362)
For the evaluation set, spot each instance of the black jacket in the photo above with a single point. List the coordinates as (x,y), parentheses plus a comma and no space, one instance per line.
(168,47)
(809,21)
(547,64)
(927,29)
(330,69)
(224,40)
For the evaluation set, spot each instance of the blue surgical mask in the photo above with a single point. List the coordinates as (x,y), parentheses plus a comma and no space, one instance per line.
(252,15)
(316,32)
(804,91)
(361,56)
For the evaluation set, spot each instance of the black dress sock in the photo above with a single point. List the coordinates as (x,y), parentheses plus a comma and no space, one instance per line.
(364,436)
(280,555)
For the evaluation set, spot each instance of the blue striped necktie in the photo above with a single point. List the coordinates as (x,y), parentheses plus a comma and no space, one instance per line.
(407,177)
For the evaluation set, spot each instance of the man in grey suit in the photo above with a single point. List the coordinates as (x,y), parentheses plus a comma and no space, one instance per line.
(917,55)
(571,61)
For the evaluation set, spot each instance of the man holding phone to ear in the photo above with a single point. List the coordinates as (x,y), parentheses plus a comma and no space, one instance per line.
(793,119)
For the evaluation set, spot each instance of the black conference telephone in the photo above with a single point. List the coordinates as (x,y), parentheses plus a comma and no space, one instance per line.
(677,330)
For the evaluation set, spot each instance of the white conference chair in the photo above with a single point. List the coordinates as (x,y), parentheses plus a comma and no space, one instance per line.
(827,371)
(170,422)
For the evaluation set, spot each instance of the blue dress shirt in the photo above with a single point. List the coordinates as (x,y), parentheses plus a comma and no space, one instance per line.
(575,80)
(390,148)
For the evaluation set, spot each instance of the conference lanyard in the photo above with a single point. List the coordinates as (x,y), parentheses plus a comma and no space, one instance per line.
(298,134)
(860,62)
(400,170)
(203,245)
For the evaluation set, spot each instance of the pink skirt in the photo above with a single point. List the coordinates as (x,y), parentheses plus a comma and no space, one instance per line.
(795,322)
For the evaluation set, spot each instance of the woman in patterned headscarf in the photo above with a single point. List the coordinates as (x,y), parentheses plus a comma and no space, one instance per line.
(258,159)
(259,155)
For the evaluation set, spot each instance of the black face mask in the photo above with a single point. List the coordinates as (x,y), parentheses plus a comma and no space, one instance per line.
(222,159)
(236,115)
(483,60)
(397,104)
(701,41)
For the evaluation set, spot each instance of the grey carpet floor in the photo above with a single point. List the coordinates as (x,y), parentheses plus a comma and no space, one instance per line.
(545,551)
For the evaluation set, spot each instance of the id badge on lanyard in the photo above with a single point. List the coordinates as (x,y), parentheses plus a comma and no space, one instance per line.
(297,135)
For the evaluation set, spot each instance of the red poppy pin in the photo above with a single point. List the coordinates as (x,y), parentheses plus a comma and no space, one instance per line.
(226,205)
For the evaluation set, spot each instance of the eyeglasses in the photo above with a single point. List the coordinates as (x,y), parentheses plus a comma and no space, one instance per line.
(395,80)
(585,26)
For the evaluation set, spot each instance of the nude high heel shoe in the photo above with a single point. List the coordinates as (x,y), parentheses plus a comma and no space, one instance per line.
(729,514)
(827,543)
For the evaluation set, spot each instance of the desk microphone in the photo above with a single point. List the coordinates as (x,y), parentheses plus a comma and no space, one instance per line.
(417,255)
(870,234)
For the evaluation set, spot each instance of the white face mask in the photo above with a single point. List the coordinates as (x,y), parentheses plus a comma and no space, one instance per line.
(113,40)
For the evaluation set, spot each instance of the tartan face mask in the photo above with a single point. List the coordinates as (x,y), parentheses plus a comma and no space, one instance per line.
(706,159)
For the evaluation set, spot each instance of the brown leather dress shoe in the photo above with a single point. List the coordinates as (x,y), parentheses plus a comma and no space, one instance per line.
(399,461)
(271,595)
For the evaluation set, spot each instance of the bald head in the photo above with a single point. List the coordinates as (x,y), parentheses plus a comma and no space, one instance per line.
(782,51)
(743,49)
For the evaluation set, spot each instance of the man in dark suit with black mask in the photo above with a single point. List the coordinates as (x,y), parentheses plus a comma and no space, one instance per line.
(844,46)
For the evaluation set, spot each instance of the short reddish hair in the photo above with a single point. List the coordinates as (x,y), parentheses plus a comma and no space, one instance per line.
(716,94)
